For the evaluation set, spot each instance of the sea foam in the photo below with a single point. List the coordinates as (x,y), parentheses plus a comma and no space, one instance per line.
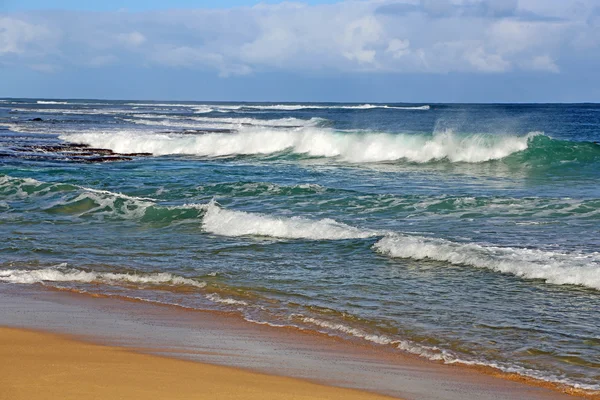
(551,267)
(355,147)
(63,274)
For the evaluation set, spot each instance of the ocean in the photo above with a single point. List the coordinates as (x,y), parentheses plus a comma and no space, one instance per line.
(461,233)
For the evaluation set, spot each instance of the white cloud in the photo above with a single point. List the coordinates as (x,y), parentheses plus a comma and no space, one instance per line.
(398,48)
(425,36)
(102,60)
(131,39)
(542,63)
(16,35)
(46,68)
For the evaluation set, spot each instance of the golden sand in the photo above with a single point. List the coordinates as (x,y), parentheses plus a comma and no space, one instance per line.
(36,365)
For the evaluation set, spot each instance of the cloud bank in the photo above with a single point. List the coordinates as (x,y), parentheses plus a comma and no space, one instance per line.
(427,36)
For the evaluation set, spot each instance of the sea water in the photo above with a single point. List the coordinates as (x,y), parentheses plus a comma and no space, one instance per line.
(460,233)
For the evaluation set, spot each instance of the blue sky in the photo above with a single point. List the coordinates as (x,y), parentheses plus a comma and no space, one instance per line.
(354,50)
(132,5)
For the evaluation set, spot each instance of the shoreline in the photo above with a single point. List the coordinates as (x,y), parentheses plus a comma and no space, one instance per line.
(484,369)
(65,368)
(225,339)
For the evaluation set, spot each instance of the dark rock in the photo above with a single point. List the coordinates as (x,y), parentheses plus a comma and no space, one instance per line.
(136,154)
(38,119)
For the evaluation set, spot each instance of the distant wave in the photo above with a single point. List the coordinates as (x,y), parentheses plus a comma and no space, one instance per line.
(297,107)
(551,267)
(203,108)
(206,122)
(315,142)
(239,223)
(78,111)
(160,105)
(51,102)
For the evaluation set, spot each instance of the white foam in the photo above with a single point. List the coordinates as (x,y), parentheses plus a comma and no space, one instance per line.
(312,141)
(160,105)
(203,109)
(379,339)
(63,274)
(551,267)
(238,223)
(431,353)
(51,102)
(225,300)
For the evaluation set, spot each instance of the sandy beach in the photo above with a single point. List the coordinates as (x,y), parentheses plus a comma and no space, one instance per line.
(39,365)
(65,345)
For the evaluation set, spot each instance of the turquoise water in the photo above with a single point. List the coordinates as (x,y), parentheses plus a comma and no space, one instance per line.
(462,233)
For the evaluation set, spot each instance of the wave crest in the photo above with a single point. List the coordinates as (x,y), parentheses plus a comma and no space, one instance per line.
(239,223)
(551,267)
(358,147)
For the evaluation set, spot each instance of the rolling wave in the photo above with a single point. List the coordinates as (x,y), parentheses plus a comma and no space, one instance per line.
(355,147)
(239,223)
(551,267)
(64,198)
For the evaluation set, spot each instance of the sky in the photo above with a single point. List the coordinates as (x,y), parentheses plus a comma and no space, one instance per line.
(415,51)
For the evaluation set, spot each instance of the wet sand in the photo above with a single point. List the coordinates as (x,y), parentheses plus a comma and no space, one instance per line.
(227,340)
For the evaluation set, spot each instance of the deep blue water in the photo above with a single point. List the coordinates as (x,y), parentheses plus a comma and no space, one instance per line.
(463,233)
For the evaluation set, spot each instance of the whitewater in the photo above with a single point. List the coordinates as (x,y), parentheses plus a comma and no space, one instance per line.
(360,147)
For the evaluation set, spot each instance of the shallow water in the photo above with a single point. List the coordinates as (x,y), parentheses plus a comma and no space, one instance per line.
(463,233)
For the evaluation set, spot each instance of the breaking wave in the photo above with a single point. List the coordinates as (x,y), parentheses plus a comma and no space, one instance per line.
(359,147)
(551,267)
(239,223)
